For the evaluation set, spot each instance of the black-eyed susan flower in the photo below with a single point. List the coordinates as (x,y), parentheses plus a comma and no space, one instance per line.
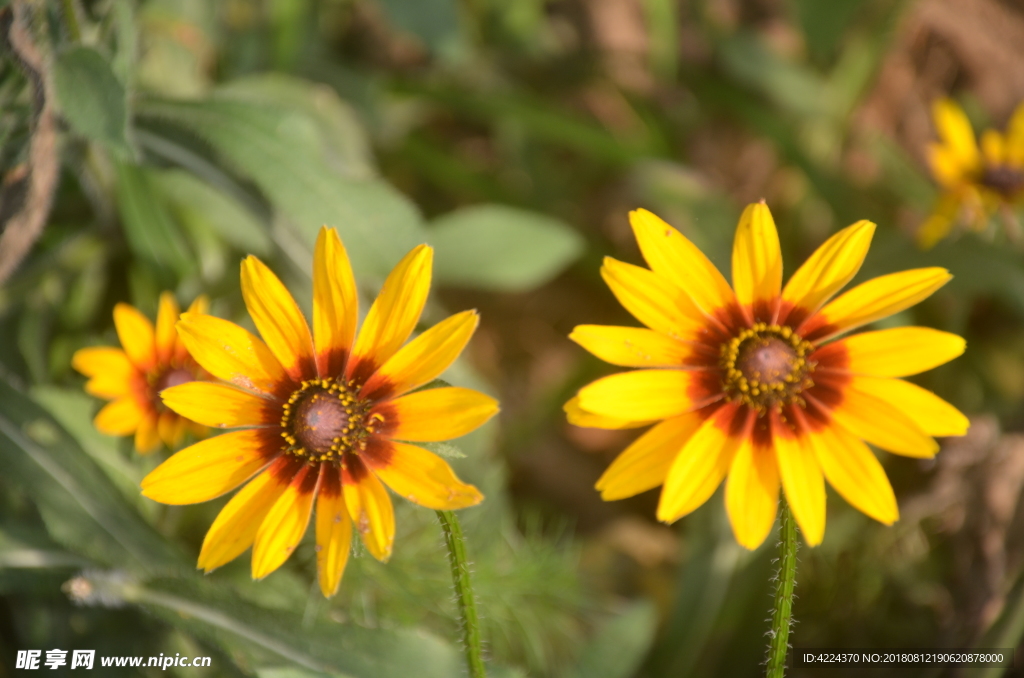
(749,383)
(326,417)
(152,359)
(976,182)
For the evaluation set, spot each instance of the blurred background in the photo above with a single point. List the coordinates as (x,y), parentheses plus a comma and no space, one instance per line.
(170,138)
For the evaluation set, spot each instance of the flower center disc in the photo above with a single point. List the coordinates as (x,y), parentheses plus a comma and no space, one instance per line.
(320,418)
(1007,181)
(174,377)
(766,366)
(323,420)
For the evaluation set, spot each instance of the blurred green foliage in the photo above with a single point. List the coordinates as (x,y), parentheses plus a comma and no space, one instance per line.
(513,136)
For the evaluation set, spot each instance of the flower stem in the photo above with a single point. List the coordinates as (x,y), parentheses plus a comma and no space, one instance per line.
(456,544)
(782,611)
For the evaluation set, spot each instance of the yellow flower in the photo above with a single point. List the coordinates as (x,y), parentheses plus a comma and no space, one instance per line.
(152,360)
(975,182)
(747,383)
(324,417)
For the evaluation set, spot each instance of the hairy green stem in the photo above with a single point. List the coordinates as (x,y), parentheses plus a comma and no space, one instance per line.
(469,620)
(782,611)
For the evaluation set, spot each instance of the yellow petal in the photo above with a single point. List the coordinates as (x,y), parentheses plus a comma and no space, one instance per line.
(237,523)
(209,468)
(120,417)
(877,422)
(875,299)
(422,477)
(578,417)
(955,131)
(644,395)
(333,537)
(852,469)
(898,352)
(137,336)
(672,256)
(285,523)
(166,336)
(112,374)
(219,405)
(932,414)
(699,468)
(947,167)
(335,305)
(437,414)
(652,299)
(802,481)
(1015,138)
(200,306)
(394,313)
(756,256)
(231,353)
(645,463)
(631,346)
(752,493)
(167,428)
(938,225)
(830,267)
(278,318)
(370,509)
(993,147)
(424,358)
(147,437)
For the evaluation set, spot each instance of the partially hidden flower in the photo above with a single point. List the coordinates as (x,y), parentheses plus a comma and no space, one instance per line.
(747,383)
(326,417)
(150,360)
(976,182)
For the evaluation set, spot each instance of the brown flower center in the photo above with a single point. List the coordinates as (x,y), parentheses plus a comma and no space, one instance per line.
(766,366)
(1006,181)
(325,419)
(175,376)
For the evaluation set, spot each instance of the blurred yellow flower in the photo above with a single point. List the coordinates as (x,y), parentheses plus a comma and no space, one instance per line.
(975,182)
(744,384)
(323,416)
(151,360)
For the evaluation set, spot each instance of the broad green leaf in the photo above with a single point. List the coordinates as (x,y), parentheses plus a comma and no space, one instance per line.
(435,22)
(80,506)
(793,86)
(501,248)
(74,411)
(91,98)
(620,645)
(212,612)
(151,232)
(198,202)
(274,147)
(338,136)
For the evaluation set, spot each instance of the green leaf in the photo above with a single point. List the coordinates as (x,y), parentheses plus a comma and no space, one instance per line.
(444,449)
(338,136)
(435,22)
(74,411)
(278,150)
(151,232)
(620,645)
(196,201)
(91,98)
(207,611)
(501,248)
(80,506)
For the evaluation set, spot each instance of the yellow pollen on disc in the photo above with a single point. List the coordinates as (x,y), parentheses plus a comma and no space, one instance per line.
(766,366)
(324,419)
